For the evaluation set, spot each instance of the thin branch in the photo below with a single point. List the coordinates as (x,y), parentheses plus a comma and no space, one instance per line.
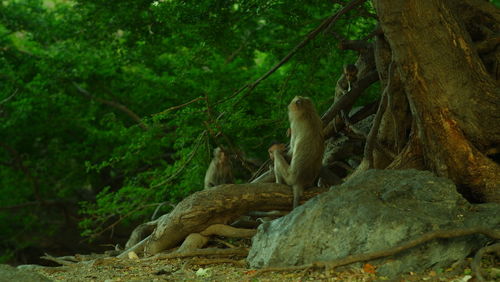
(324,25)
(232,147)
(121,218)
(115,105)
(57,260)
(179,170)
(311,35)
(153,217)
(179,106)
(10,97)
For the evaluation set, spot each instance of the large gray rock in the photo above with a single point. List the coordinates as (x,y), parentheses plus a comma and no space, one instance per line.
(10,274)
(376,210)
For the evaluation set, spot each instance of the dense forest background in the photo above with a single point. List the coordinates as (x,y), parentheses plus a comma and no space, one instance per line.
(109,110)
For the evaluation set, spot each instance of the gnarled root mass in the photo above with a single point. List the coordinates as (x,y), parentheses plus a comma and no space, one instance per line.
(208,212)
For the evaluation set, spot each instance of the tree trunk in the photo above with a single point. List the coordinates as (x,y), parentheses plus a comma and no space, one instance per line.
(436,64)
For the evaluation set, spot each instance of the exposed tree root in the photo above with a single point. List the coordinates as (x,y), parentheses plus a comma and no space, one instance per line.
(227,244)
(228,231)
(192,242)
(220,205)
(439,234)
(476,263)
(197,240)
(141,232)
(61,261)
(240,252)
(241,263)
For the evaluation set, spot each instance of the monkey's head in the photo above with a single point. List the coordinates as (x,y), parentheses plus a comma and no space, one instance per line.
(300,106)
(219,154)
(350,72)
(276,147)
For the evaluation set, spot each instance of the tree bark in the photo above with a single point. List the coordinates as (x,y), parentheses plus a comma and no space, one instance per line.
(454,100)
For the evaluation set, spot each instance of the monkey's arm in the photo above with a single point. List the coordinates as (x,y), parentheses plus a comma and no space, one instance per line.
(281,168)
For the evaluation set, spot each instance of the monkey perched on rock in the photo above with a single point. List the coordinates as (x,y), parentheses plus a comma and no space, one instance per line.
(219,171)
(306,148)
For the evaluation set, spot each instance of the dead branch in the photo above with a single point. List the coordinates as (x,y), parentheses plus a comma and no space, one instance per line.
(438,234)
(57,260)
(476,263)
(258,176)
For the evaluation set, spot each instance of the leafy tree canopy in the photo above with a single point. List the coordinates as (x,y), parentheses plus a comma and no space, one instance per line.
(115,106)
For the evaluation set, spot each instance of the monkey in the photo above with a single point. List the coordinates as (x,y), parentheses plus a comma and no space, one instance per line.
(344,85)
(219,170)
(306,148)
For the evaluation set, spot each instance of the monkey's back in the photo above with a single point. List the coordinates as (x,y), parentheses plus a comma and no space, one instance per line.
(308,149)
(218,173)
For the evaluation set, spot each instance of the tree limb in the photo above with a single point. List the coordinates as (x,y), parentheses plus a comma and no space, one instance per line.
(348,99)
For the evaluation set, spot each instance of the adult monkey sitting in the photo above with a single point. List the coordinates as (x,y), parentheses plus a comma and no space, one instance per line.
(306,148)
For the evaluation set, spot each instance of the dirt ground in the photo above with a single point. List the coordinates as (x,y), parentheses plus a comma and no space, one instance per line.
(217,269)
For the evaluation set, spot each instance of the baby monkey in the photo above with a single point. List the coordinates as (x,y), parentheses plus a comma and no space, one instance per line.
(219,171)
(306,148)
(344,85)
(350,73)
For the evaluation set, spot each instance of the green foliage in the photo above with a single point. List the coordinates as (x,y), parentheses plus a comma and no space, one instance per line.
(72,72)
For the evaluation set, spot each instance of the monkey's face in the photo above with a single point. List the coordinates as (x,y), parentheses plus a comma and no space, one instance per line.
(222,157)
(299,104)
(351,76)
(351,72)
